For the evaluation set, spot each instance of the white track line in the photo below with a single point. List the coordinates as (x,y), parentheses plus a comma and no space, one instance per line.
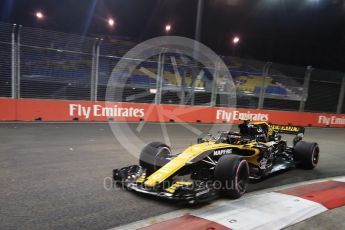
(341,179)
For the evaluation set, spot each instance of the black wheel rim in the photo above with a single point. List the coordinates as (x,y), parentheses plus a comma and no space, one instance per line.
(315,156)
(242,178)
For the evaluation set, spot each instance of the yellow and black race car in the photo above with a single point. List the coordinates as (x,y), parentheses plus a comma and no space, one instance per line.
(220,165)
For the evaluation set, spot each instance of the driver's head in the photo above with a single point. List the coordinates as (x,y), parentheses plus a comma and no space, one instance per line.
(244,127)
(234,139)
(246,121)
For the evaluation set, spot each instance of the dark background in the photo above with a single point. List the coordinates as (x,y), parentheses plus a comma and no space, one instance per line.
(298,32)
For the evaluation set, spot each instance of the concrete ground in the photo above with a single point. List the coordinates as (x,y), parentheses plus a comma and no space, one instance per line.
(52,174)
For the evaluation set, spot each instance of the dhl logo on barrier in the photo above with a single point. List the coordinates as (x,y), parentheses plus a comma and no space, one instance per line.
(59,110)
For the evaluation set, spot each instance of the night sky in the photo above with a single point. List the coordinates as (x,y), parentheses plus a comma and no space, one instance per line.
(298,32)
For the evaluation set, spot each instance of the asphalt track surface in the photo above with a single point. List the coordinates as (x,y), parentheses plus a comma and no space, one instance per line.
(52,174)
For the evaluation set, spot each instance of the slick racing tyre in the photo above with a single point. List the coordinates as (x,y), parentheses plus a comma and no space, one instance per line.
(153,156)
(232,172)
(306,154)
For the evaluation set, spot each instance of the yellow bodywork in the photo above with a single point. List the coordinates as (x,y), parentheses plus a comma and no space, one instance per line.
(280,128)
(178,184)
(191,153)
(196,150)
(141,179)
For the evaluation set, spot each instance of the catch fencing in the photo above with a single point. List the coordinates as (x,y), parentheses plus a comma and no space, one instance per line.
(41,64)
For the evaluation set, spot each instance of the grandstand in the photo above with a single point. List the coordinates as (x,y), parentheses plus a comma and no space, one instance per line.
(57,66)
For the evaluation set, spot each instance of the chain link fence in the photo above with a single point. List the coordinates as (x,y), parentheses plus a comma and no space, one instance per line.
(54,65)
(5,60)
(36,63)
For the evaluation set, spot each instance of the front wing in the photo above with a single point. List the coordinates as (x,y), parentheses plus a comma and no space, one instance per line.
(133,178)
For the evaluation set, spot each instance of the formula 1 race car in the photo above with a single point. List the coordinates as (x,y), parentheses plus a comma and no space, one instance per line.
(221,165)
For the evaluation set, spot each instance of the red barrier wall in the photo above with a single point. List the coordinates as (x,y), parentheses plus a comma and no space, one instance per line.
(58,110)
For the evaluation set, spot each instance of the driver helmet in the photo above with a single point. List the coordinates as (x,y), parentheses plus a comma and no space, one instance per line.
(245,127)
(234,139)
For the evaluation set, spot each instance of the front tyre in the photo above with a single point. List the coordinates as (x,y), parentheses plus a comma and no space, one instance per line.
(306,154)
(232,172)
(153,156)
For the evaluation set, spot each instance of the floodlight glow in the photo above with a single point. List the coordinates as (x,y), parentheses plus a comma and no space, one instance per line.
(236,40)
(167,28)
(111,22)
(39,15)
(153,91)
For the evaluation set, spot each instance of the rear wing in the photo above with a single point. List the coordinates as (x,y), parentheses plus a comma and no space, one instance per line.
(287,129)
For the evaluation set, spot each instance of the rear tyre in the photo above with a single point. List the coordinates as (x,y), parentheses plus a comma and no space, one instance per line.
(306,154)
(232,172)
(153,156)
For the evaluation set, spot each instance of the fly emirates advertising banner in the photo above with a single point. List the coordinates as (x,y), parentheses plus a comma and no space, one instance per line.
(114,111)
(58,110)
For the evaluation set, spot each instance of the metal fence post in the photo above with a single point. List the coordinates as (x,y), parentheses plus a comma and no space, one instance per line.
(18,60)
(95,68)
(266,70)
(193,84)
(13,63)
(92,84)
(214,86)
(199,20)
(158,77)
(183,86)
(159,81)
(341,96)
(192,94)
(305,88)
(15,67)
